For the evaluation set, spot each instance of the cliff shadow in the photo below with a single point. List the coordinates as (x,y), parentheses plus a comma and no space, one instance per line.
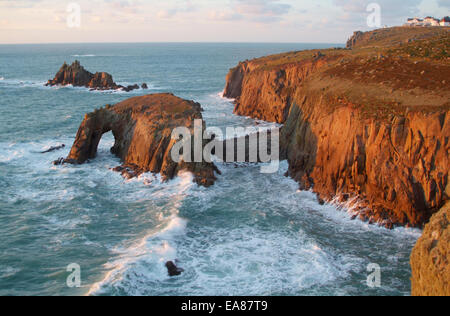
(299,145)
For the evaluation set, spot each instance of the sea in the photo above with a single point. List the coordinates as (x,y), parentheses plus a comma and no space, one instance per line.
(84,230)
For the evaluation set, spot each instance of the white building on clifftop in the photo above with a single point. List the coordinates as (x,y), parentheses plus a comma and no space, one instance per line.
(445,21)
(428,21)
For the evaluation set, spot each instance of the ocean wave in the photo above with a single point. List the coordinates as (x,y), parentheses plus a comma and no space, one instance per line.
(25,83)
(226,250)
(18,83)
(86,55)
(156,247)
(7,272)
(221,95)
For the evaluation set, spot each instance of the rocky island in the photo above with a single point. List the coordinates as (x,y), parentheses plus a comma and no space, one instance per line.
(369,123)
(77,76)
(142,128)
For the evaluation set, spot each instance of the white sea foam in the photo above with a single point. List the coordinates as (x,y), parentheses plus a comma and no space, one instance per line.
(221,95)
(27,83)
(86,55)
(155,248)
(7,272)
(265,246)
(22,83)
(243,256)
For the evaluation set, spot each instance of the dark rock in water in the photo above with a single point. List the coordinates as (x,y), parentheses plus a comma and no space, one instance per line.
(173,269)
(321,201)
(62,161)
(144,86)
(129,88)
(142,128)
(53,149)
(77,76)
(59,161)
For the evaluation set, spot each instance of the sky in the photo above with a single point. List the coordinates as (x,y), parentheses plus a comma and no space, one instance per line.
(307,21)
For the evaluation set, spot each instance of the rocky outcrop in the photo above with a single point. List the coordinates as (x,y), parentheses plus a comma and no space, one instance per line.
(396,169)
(394,36)
(355,39)
(357,126)
(142,128)
(430,257)
(77,76)
(268,93)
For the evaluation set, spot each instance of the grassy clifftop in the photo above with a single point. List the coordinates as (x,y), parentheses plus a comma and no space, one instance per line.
(387,71)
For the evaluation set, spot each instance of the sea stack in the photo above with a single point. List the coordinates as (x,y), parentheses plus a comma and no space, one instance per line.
(142,128)
(77,76)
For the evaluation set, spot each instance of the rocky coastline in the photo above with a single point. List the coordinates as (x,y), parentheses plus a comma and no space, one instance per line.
(354,128)
(370,123)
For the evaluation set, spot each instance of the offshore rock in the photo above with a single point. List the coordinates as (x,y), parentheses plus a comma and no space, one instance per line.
(77,76)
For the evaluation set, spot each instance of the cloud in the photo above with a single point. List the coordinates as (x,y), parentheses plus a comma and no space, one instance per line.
(444,3)
(170,12)
(259,11)
(262,7)
(19,3)
(393,12)
(388,7)
(224,16)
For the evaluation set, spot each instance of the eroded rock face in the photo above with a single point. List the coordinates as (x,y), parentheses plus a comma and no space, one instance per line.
(267,95)
(77,76)
(142,127)
(430,257)
(353,41)
(398,169)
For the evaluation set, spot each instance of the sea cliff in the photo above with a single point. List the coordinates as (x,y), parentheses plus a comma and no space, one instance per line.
(369,124)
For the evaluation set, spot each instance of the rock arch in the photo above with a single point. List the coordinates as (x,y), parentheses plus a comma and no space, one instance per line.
(142,128)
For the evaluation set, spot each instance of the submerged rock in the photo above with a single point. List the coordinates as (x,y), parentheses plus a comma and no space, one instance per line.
(77,76)
(55,148)
(173,269)
(142,128)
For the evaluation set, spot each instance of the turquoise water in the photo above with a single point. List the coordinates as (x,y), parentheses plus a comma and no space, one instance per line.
(250,234)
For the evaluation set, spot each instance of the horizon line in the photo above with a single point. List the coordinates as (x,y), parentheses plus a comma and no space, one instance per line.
(170,42)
